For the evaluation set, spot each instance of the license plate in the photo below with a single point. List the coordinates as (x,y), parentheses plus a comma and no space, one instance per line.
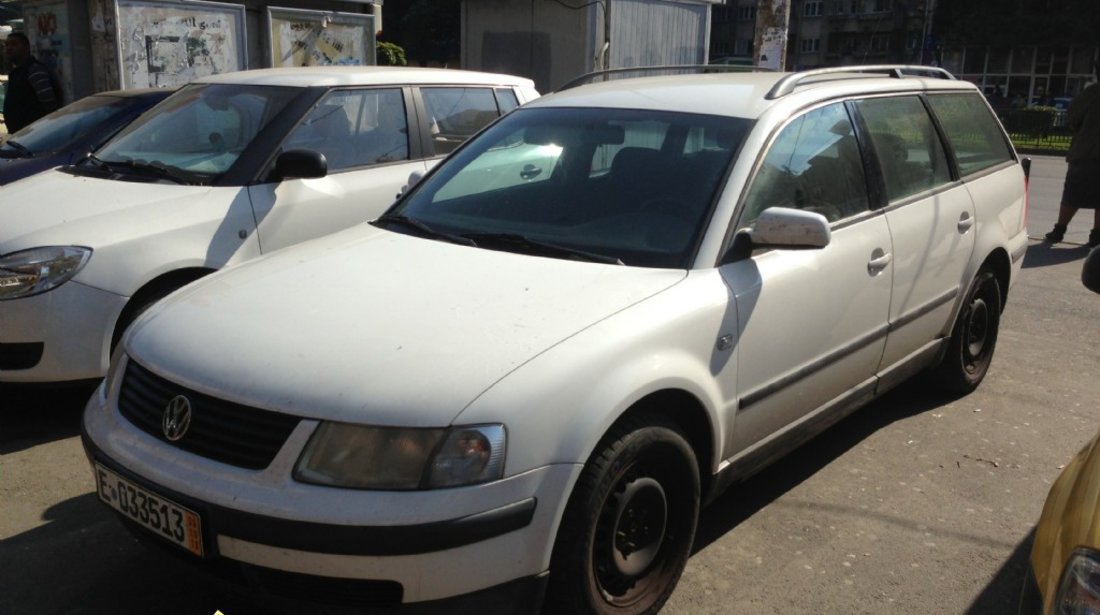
(160,515)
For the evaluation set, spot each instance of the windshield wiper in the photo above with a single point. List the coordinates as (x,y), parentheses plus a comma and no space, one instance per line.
(423,228)
(515,242)
(154,168)
(24,151)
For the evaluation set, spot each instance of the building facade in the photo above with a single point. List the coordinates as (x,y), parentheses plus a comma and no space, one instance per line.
(845,32)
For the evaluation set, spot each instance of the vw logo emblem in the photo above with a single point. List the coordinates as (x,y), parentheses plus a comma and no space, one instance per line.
(177,418)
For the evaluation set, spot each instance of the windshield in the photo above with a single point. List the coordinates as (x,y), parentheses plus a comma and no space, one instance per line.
(199,131)
(64,127)
(608,185)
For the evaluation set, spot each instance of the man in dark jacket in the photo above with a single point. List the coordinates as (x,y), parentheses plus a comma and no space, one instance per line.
(32,91)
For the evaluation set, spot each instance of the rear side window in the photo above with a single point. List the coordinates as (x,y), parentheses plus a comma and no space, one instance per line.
(908,147)
(814,164)
(972,131)
(457,113)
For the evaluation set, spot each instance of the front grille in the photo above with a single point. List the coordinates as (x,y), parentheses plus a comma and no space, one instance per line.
(231,433)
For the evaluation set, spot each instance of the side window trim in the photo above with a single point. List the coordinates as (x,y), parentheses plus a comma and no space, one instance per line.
(948,150)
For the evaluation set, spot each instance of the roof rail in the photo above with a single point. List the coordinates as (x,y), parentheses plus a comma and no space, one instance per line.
(787,84)
(643,71)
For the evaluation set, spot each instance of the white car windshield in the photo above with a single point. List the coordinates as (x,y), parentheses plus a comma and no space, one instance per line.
(197,133)
(611,185)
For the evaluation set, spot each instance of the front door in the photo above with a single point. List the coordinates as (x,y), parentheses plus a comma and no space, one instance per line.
(812,322)
(364,136)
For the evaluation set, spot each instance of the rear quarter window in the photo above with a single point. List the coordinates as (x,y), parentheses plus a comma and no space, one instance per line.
(972,130)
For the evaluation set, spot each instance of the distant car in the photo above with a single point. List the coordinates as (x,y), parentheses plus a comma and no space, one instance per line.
(526,377)
(229,167)
(70,133)
(1064,571)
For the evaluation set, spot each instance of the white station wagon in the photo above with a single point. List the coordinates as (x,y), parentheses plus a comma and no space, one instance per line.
(521,382)
(228,168)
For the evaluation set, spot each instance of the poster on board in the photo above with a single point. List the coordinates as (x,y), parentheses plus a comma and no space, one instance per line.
(317,38)
(168,44)
(47,28)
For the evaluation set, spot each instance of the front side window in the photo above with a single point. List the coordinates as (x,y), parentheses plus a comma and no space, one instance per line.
(814,164)
(354,128)
(908,147)
(972,130)
(198,132)
(611,185)
(457,113)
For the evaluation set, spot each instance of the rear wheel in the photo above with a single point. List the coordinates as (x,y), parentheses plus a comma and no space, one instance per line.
(973,337)
(629,525)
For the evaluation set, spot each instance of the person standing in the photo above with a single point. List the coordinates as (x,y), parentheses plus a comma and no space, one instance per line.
(32,90)
(1082,187)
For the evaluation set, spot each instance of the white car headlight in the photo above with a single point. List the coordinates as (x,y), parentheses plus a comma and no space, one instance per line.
(365,457)
(31,272)
(1079,589)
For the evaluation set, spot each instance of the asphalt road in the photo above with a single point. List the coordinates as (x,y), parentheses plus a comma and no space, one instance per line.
(916,504)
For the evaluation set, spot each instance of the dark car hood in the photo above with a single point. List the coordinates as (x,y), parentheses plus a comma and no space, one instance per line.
(12,169)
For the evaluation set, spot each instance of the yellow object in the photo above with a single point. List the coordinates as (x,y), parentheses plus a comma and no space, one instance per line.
(1069,520)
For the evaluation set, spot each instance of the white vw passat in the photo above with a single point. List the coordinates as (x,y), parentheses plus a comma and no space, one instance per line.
(530,373)
(228,168)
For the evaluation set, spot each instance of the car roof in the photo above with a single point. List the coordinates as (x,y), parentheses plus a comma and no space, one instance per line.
(736,94)
(334,76)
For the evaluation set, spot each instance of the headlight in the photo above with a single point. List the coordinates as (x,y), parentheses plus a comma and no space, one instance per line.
(1079,589)
(364,457)
(34,271)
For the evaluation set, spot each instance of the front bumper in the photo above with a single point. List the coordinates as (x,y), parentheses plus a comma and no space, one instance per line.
(419,547)
(61,335)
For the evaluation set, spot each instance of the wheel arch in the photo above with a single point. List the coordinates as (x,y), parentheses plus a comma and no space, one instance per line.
(158,286)
(688,413)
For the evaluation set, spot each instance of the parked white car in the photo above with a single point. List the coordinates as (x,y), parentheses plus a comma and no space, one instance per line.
(228,168)
(518,384)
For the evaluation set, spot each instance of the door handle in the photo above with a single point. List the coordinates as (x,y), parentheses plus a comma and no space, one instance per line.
(965,222)
(879,261)
(530,171)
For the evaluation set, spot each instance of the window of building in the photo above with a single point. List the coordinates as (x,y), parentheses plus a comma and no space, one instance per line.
(810,45)
(742,47)
(814,8)
(746,13)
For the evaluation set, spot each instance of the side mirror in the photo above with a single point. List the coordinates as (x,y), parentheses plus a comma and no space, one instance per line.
(1090,272)
(301,164)
(781,227)
(414,179)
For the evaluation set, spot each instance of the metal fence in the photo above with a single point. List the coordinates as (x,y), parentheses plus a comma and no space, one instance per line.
(1042,128)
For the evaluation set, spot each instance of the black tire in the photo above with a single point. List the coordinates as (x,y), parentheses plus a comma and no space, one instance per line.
(628,528)
(973,337)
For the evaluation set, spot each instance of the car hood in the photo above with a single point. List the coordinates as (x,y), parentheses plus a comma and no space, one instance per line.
(12,169)
(1069,518)
(378,327)
(57,208)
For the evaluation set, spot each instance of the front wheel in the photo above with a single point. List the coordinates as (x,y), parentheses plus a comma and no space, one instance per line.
(973,337)
(628,527)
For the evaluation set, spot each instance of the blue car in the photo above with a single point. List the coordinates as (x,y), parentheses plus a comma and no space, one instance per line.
(68,134)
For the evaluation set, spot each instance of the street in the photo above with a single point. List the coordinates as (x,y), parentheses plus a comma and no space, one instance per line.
(916,504)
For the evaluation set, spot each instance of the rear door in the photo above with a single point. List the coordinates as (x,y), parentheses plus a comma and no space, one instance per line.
(931,220)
